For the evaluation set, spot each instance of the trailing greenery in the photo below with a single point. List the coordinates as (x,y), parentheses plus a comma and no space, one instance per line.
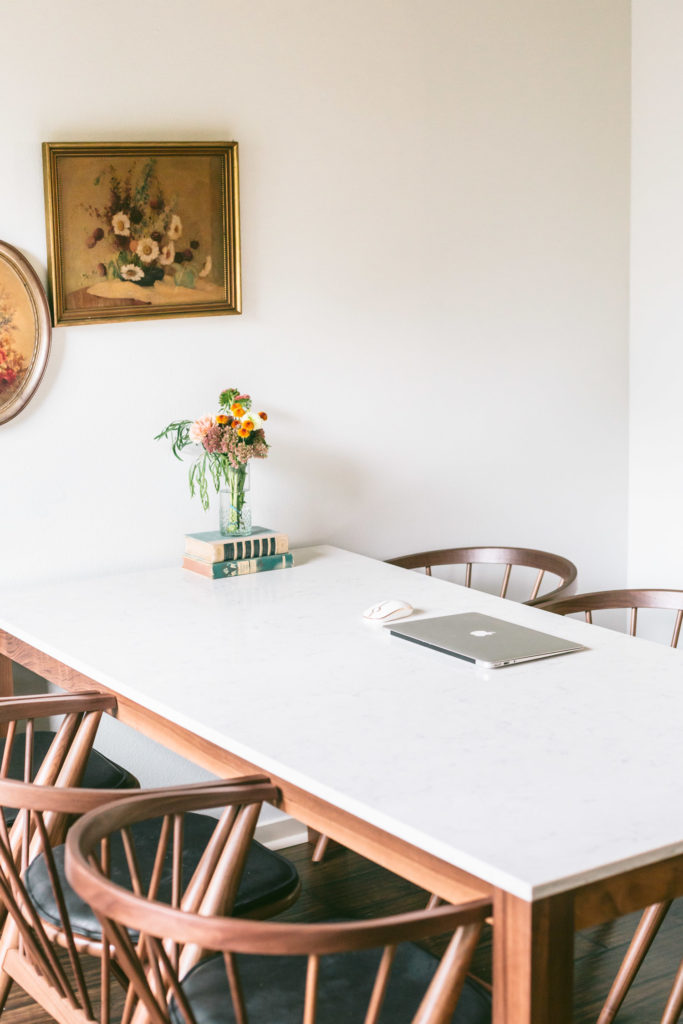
(179,435)
(219,467)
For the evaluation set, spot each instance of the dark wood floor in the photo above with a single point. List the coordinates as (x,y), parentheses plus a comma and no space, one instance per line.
(346,884)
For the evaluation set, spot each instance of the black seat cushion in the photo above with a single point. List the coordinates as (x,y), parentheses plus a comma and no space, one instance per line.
(268,877)
(100,772)
(274,987)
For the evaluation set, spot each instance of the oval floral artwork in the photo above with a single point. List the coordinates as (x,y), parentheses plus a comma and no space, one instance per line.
(24,331)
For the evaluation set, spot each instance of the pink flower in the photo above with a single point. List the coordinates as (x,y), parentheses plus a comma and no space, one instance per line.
(213,438)
(167,255)
(175,228)
(199,428)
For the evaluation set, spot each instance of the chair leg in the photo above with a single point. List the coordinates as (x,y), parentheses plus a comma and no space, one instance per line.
(320,849)
(674,1006)
(648,926)
(5,988)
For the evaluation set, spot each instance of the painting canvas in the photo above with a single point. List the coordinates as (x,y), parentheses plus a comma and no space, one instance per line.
(24,331)
(142,230)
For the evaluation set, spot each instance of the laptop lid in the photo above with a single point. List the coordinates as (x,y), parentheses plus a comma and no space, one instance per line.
(482,639)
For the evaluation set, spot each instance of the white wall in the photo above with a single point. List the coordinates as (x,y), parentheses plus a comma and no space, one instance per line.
(656,482)
(435,269)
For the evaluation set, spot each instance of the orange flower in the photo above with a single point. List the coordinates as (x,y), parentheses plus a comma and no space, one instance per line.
(236,409)
(248,423)
(235,424)
(221,419)
(263,416)
(244,431)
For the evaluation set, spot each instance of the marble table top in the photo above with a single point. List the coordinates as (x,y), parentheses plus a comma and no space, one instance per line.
(536,778)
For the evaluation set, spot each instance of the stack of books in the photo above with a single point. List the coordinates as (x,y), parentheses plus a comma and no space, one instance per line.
(214,555)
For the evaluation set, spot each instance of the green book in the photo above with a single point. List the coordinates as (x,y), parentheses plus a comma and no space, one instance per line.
(238,567)
(214,546)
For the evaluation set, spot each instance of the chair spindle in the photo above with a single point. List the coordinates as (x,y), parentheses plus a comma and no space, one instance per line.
(380,987)
(7,753)
(236,993)
(311,999)
(537,584)
(674,1004)
(506,580)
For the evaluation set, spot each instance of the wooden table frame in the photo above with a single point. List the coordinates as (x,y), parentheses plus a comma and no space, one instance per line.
(532,941)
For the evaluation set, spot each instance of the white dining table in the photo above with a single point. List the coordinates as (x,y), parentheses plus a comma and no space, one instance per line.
(554,787)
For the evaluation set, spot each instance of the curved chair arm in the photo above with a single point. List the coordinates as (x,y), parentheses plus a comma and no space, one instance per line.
(633,599)
(543,561)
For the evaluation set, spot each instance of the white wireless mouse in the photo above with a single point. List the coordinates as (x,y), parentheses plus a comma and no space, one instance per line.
(386,611)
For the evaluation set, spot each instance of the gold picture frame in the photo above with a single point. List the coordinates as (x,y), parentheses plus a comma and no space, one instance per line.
(25,331)
(142,229)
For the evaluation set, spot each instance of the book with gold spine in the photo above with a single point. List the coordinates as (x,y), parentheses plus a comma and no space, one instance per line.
(214,546)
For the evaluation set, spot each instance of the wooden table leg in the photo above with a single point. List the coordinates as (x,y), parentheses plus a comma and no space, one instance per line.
(533,959)
(6,684)
(6,681)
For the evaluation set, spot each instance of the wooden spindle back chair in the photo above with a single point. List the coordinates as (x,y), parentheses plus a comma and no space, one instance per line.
(651,920)
(260,971)
(543,561)
(632,600)
(47,931)
(35,812)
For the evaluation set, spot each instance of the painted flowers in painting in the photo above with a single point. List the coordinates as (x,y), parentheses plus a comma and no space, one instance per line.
(224,443)
(12,363)
(139,235)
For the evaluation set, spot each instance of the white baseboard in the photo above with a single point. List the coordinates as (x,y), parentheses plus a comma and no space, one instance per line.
(278,834)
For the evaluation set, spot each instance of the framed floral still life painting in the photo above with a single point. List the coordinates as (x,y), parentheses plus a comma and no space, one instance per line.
(24,331)
(138,230)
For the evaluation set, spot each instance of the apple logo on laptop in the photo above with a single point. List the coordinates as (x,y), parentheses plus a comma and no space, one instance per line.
(482,632)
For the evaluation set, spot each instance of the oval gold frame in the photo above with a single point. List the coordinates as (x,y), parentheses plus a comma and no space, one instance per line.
(42,330)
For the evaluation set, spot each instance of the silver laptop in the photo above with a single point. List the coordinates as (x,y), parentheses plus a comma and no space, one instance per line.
(483,640)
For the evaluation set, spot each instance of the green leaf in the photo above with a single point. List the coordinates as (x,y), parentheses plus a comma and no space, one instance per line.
(179,435)
(226,397)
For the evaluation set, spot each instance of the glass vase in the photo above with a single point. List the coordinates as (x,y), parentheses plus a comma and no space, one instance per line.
(234,506)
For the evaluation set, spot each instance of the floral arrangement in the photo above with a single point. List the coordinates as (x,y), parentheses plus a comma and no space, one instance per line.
(12,364)
(143,232)
(225,444)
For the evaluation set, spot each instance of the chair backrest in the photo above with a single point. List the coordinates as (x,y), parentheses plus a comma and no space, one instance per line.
(34,813)
(36,809)
(607,600)
(174,938)
(543,561)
